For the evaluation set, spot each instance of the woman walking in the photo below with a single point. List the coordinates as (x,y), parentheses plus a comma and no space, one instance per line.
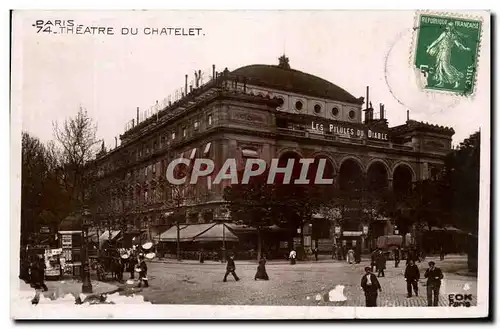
(261,270)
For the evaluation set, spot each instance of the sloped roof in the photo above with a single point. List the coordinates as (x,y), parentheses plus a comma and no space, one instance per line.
(186,232)
(287,79)
(218,232)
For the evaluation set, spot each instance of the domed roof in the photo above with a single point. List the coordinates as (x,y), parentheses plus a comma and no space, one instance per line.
(282,77)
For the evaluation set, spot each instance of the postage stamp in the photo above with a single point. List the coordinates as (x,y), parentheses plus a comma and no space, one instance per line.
(446,52)
(159,174)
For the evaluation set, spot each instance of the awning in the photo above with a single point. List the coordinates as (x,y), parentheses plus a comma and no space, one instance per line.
(186,232)
(106,236)
(207,148)
(218,232)
(386,241)
(70,232)
(241,228)
(453,229)
(250,153)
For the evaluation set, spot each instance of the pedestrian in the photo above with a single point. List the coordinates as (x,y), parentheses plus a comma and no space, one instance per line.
(202,256)
(434,276)
(397,256)
(261,270)
(381,261)
(37,270)
(231,268)
(315,251)
(292,256)
(143,273)
(132,262)
(334,251)
(120,269)
(371,287)
(412,275)
(37,276)
(441,253)
(374,259)
(357,254)
(350,256)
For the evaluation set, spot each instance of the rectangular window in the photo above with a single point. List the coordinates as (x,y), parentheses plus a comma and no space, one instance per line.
(184,132)
(146,196)
(173,135)
(154,169)
(146,172)
(196,124)
(209,119)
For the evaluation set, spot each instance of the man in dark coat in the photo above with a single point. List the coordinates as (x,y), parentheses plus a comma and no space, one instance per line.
(412,275)
(374,259)
(434,276)
(132,261)
(371,287)
(357,253)
(143,274)
(381,261)
(397,256)
(37,269)
(231,268)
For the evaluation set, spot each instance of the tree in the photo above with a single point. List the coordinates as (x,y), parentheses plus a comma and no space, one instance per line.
(176,197)
(253,204)
(258,204)
(77,139)
(42,197)
(462,175)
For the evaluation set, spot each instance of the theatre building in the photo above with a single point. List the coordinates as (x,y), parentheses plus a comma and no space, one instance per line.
(266,112)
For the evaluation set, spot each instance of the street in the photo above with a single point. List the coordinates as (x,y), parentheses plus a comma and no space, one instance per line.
(300,285)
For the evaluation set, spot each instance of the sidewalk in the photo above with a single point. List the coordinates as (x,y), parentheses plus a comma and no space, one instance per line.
(322,259)
(61,288)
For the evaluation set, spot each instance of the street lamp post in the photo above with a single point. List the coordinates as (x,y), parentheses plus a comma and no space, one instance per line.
(178,239)
(223,243)
(86,283)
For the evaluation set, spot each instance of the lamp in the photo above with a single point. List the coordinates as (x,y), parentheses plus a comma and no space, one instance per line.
(86,222)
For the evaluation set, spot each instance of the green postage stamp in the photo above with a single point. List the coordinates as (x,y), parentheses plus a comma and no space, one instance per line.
(446,52)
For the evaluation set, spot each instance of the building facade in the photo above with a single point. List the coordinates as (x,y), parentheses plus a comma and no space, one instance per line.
(263,111)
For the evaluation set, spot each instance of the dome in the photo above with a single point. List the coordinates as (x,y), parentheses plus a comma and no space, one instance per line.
(282,77)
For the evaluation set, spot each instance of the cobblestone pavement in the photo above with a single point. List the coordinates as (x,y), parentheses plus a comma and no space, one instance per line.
(303,284)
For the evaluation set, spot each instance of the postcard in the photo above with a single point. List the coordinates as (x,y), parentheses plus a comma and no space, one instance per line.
(250,164)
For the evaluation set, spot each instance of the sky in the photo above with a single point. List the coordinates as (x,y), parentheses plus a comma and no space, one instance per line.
(111,75)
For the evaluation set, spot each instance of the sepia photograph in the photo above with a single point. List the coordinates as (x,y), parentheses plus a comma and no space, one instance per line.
(250,164)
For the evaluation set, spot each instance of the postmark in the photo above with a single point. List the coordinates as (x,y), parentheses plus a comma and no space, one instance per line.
(446,51)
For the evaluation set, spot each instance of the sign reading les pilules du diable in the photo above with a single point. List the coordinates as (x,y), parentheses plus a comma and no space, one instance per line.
(446,52)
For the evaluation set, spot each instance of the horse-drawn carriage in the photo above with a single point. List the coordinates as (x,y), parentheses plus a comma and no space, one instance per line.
(107,265)
(111,263)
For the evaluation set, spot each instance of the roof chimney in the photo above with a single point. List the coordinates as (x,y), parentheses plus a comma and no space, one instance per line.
(213,71)
(407,115)
(116,142)
(382,111)
(137,114)
(186,84)
(284,62)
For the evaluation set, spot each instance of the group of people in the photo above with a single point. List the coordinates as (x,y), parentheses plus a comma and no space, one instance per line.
(371,285)
(351,255)
(231,269)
